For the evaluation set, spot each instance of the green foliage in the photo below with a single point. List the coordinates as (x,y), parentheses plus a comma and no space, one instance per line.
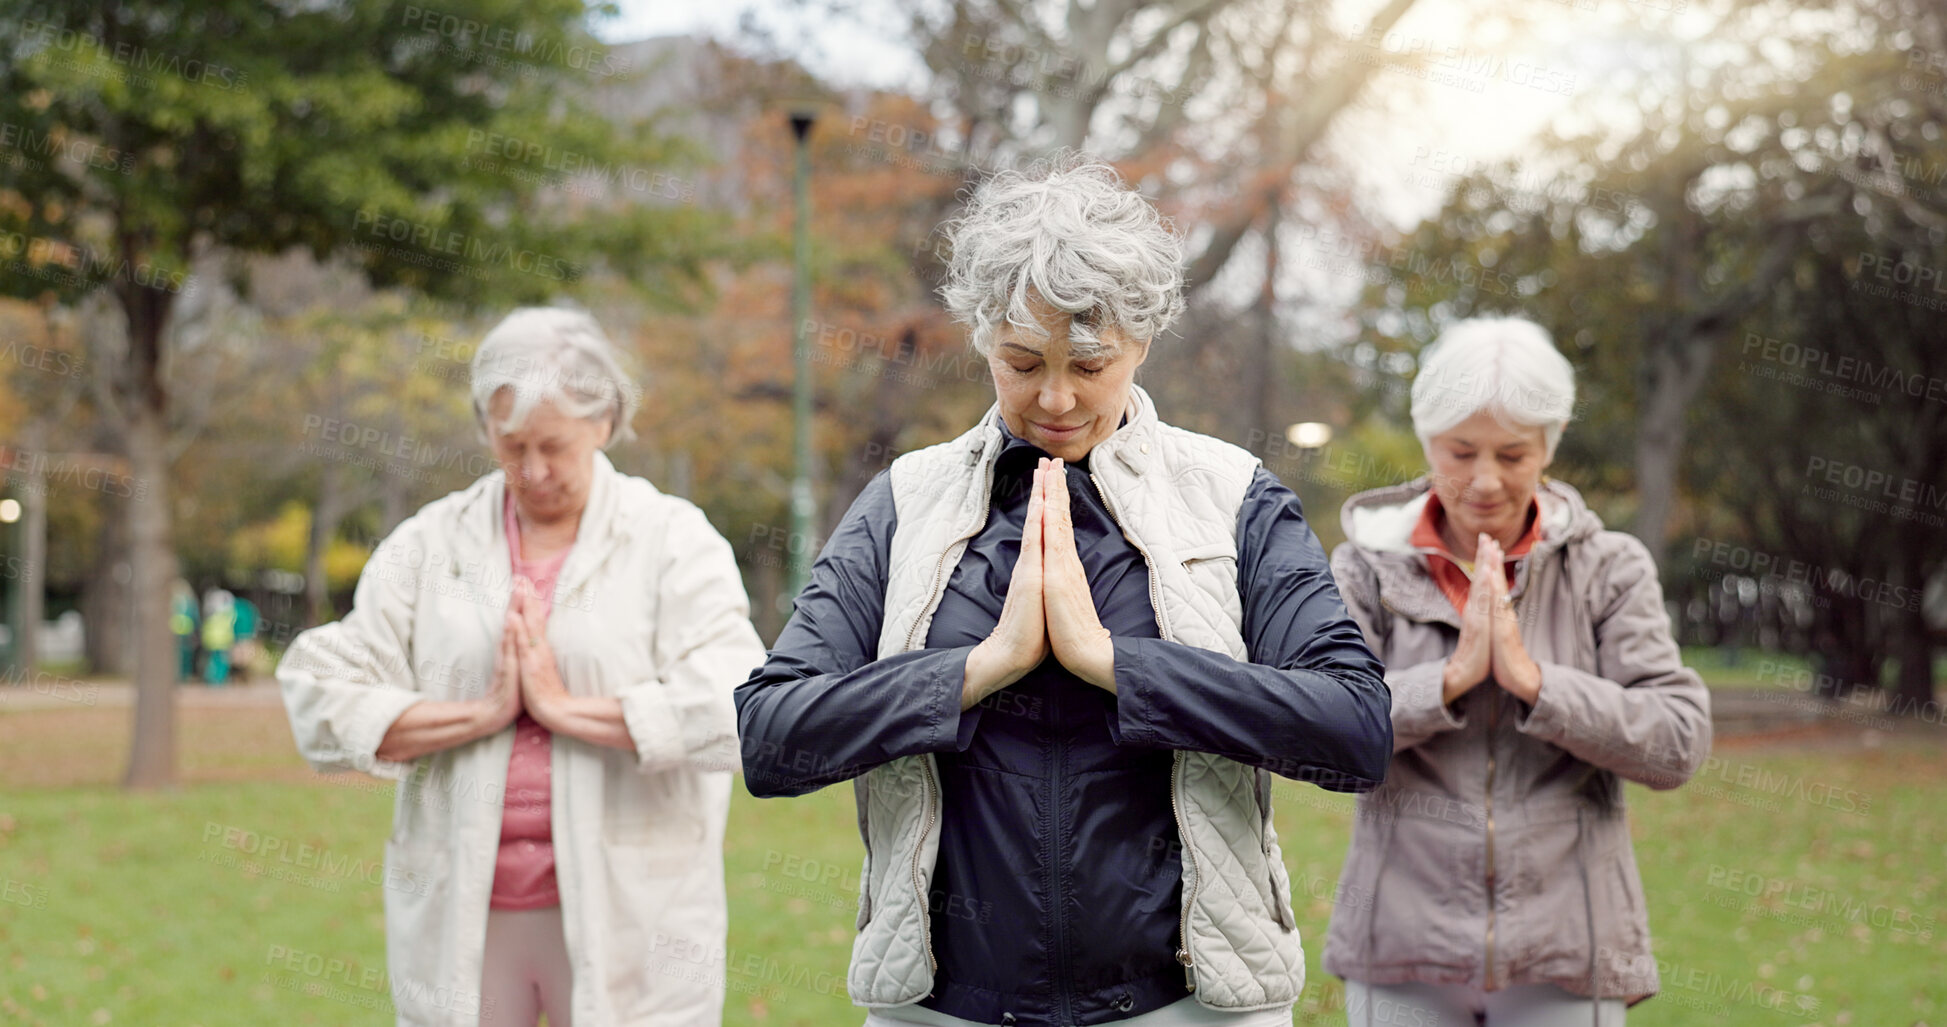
(416,141)
(1752,266)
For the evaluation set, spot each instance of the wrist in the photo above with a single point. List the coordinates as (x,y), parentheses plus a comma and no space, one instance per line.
(1096,663)
(1530,680)
(484,717)
(1454,683)
(546,712)
(988,671)
(980,676)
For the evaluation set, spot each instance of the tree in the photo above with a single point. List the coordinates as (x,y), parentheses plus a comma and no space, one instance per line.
(1765,206)
(154,141)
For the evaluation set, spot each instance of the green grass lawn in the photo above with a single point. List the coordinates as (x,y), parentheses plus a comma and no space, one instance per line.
(1785,888)
(1747,668)
(1763,669)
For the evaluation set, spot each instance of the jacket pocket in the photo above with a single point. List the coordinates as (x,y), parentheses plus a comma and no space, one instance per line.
(1630,915)
(659,813)
(422,795)
(414,868)
(1203,560)
(1427,897)
(865,892)
(1273,856)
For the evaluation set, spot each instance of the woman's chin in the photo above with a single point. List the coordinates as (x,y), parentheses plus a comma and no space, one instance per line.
(1467,524)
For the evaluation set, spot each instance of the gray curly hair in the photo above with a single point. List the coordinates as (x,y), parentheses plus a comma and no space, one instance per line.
(1070,234)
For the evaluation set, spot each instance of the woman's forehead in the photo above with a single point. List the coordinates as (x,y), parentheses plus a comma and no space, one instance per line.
(1484,429)
(1055,345)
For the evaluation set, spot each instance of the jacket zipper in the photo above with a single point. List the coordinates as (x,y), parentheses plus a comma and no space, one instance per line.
(1493,708)
(1520,606)
(1183,920)
(1487,798)
(929,789)
(1064,999)
(1176,770)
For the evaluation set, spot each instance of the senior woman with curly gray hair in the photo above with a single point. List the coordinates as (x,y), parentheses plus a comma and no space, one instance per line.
(1061,656)
(1532,672)
(544,662)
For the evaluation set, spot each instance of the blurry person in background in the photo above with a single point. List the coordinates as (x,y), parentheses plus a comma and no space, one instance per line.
(1491,878)
(246,654)
(545,662)
(219,635)
(182,624)
(1061,657)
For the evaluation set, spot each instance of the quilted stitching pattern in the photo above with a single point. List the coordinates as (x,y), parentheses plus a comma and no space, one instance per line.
(890,965)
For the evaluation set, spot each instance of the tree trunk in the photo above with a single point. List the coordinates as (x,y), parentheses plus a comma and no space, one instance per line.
(105,602)
(1262,435)
(885,416)
(1674,370)
(324,524)
(1913,694)
(144,403)
(152,754)
(1838,656)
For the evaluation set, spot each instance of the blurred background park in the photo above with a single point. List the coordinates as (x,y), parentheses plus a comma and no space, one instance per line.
(246,249)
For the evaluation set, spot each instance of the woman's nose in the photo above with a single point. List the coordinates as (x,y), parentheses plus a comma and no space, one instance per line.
(1056,399)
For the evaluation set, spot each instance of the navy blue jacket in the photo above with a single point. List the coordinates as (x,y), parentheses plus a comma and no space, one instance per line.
(1058,885)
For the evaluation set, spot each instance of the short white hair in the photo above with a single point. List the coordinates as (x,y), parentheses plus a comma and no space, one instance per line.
(1070,234)
(557,355)
(1505,365)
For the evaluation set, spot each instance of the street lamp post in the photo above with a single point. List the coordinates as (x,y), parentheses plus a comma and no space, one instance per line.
(802,504)
(18,649)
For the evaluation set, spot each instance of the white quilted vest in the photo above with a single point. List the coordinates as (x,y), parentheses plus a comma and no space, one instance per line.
(1176,495)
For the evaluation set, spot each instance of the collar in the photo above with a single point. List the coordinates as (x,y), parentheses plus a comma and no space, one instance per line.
(1382,523)
(479,521)
(1012,443)
(1129,443)
(1382,520)
(1426,531)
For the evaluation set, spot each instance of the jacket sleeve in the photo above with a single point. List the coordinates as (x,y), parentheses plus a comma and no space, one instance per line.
(1417,710)
(1643,715)
(704,645)
(344,683)
(1311,702)
(823,708)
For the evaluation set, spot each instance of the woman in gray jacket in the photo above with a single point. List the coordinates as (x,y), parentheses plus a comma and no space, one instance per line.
(1490,879)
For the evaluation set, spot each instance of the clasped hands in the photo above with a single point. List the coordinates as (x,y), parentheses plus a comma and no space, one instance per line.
(1049,607)
(525,674)
(1490,636)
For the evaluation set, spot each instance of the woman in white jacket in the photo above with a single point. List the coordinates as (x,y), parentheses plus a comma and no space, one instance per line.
(544,661)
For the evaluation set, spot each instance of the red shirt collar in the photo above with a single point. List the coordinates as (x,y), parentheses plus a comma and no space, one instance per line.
(1445,567)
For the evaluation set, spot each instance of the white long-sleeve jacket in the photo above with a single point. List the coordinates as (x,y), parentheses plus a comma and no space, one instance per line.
(649,608)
